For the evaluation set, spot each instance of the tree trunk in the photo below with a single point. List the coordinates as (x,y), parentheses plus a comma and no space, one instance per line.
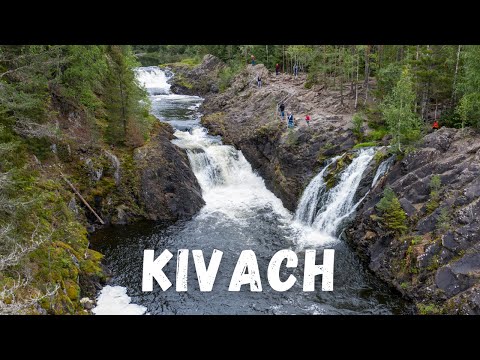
(367,72)
(356,82)
(351,72)
(340,63)
(325,65)
(455,75)
(266,50)
(380,56)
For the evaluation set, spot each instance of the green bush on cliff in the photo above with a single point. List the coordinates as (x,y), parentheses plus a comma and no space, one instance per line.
(392,214)
(227,74)
(357,121)
(435,187)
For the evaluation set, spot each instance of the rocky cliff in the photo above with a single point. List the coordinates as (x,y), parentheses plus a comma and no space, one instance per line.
(436,261)
(168,188)
(247,117)
(198,79)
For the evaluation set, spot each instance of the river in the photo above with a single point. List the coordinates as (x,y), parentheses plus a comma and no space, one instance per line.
(240,213)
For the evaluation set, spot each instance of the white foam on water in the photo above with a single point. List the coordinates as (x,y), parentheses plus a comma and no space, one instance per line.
(113,300)
(153,79)
(229,185)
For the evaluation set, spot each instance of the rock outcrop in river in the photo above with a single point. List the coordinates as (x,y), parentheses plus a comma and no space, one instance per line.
(168,187)
(197,80)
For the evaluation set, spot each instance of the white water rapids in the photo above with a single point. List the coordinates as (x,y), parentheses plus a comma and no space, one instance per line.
(241,211)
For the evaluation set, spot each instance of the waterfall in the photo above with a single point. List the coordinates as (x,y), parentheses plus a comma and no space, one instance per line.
(229,185)
(336,204)
(382,169)
(154,80)
(307,207)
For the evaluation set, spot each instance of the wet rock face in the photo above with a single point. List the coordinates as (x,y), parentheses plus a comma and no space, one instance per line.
(437,260)
(169,188)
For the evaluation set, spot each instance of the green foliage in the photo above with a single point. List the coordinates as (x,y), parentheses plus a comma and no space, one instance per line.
(357,121)
(392,214)
(435,187)
(227,74)
(365,144)
(428,309)
(469,87)
(85,67)
(443,221)
(388,77)
(403,124)
(125,103)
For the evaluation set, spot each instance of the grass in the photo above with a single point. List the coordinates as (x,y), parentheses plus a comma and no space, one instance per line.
(365,144)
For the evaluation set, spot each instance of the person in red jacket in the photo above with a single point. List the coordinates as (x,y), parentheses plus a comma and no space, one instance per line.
(435,125)
(277,69)
(307,119)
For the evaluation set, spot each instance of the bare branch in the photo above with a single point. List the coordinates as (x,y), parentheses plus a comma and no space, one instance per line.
(29,128)
(20,250)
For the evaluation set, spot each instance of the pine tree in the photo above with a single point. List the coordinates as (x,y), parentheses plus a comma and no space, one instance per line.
(469,87)
(127,118)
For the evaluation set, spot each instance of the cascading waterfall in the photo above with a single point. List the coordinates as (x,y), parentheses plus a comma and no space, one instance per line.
(154,80)
(308,205)
(239,213)
(334,205)
(382,169)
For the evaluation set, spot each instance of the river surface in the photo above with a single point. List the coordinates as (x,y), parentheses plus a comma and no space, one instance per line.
(240,214)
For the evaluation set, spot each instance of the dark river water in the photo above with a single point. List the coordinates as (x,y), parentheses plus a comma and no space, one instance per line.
(240,214)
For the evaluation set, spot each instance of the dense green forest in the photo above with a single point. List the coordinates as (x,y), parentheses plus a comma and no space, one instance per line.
(38,233)
(444,78)
(404,88)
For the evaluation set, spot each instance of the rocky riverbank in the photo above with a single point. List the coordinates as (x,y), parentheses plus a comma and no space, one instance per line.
(121,184)
(436,261)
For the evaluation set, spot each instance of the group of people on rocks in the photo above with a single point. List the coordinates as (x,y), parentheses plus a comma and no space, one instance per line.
(290,118)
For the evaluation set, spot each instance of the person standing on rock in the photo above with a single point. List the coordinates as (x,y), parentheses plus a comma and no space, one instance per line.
(253,60)
(290,120)
(259,81)
(295,70)
(307,119)
(282,111)
(277,69)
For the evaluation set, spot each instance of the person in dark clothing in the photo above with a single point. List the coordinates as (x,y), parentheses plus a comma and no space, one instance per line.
(259,81)
(295,70)
(253,60)
(282,110)
(277,69)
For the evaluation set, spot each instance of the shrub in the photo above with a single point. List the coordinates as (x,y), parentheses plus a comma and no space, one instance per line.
(435,187)
(357,121)
(393,216)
